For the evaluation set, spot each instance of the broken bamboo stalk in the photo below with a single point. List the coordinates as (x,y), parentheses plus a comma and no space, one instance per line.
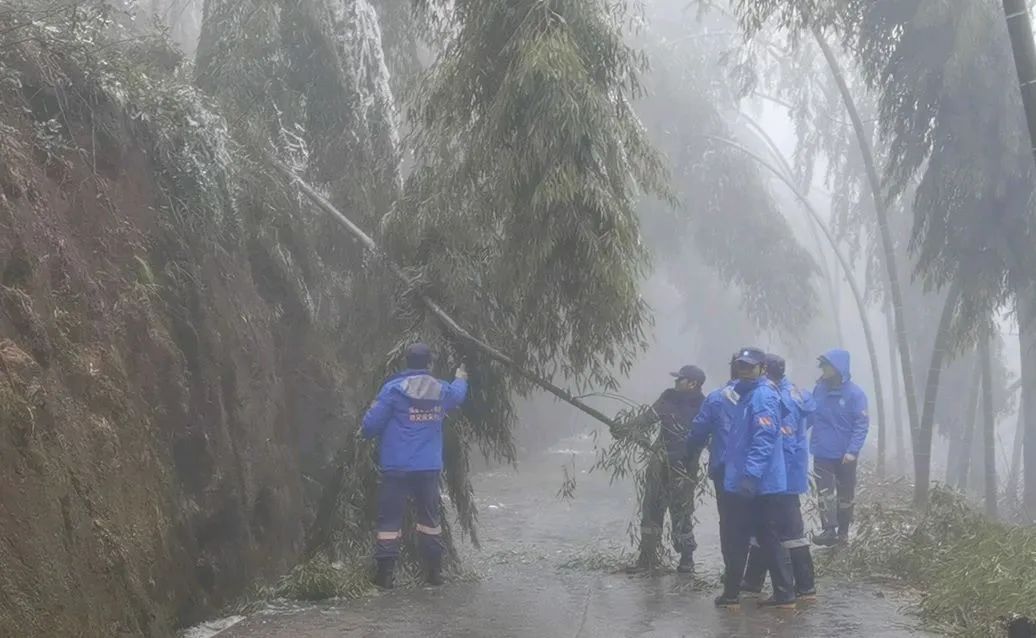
(451,325)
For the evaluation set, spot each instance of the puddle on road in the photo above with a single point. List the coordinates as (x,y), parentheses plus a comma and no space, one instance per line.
(211,628)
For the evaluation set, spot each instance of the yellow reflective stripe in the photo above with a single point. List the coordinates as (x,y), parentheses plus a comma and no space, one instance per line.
(389,536)
(431,531)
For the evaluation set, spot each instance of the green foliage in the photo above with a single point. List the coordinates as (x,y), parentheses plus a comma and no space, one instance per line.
(971,572)
(595,558)
(635,452)
(522,208)
(950,114)
(76,70)
(318,579)
(726,217)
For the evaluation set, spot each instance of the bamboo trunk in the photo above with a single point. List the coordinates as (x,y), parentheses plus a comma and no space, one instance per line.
(1016,459)
(989,431)
(897,395)
(1019,28)
(829,279)
(952,453)
(1027,342)
(847,270)
(970,417)
(922,464)
(922,450)
(447,321)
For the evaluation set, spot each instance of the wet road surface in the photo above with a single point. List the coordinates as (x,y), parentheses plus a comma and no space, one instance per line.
(547,568)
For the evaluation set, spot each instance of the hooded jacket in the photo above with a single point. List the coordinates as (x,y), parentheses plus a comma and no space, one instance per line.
(797,405)
(407,417)
(754,447)
(840,422)
(712,426)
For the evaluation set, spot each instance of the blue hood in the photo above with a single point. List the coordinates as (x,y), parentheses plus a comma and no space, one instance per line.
(409,372)
(840,360)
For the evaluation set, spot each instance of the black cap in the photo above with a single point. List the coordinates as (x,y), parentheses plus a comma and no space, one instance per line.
(691,373)
(418,356)
(775,366)
(751,356)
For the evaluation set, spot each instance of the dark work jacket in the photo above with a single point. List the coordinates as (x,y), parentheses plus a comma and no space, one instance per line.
(675,411)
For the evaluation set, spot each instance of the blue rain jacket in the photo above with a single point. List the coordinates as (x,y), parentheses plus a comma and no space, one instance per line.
(797,405)
(754,447)
(840,422)
(712,426)
(407,417)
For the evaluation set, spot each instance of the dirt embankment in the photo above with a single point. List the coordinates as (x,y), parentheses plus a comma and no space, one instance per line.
(164,399)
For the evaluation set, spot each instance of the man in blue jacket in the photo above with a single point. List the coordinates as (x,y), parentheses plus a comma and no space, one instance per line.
(711,427)
(796,405)
(754,477)
(840,426)
(407,418)
(669,484)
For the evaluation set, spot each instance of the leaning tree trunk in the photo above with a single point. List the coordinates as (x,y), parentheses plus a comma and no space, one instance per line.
(922,454)
(897,395)
(970,418)
(1019,28)
(989,421)
(1016,459)
(448,322)
(1027,341)
(923,440)
(952,452)
(847,269)
(829,279)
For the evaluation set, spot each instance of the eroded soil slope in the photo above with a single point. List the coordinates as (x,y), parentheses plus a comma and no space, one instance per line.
(166,401)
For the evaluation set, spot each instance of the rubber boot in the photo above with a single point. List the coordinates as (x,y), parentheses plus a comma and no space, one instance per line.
(827,538)
(384,577)
(727,601)
(805,576)
(686,565)
(774,603)
(781,578)
(434,574)
(645,561)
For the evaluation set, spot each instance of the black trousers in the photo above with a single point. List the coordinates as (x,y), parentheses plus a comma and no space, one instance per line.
(759,516)
(836,484)
(726,517)
(770,522)
(735,528)
(792,533)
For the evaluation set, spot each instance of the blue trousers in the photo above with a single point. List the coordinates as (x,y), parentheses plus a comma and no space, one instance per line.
(393,491)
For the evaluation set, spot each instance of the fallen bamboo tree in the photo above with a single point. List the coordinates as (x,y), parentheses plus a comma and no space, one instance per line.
(319,534)
(451,325)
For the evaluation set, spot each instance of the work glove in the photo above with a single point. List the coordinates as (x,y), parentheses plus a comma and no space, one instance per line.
(848,458)
(462,372)
(747,487)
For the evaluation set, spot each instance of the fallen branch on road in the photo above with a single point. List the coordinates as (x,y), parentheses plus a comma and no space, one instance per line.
(973,574)
(319,534)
